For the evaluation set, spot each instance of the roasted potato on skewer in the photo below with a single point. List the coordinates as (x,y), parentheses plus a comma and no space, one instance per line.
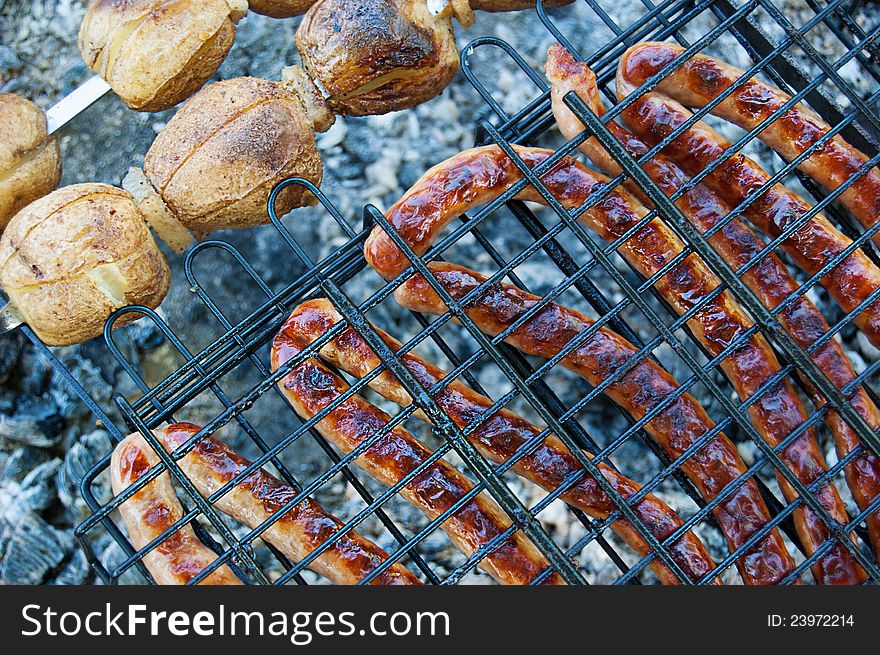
(377,56)
(280,8)
(71,258)
(30,161)
(216,162)
(157,53)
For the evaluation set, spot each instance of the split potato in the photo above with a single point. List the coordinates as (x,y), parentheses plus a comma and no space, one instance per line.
(30,161)
(73,257)
(378,56)
(156,53)
(216,162)
(280,8)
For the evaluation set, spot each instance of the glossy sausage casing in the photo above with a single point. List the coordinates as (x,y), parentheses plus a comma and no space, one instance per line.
(501,435)
(654,116)
(479,176)
(719,323)
(700,79)
(354,423)
(769,278)
(154,509)
(259,496)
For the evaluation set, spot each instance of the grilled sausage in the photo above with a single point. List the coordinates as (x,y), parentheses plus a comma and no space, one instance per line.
(480,175)
(700,79)
(502,434)
(776,413)
(311,387)
(643,386)
(738,244)
(654,116)
(152,510)
(258,496)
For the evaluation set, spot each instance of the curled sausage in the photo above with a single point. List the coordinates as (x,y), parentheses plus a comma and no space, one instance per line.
(480,175)
(776,413)
(769,279)
(151,511)
(311,387)
(700,79)
(654,116)
(720,322)
(501,434)
(258,496)
(713,467)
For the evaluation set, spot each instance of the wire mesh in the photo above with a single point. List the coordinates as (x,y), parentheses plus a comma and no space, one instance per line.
(232,369)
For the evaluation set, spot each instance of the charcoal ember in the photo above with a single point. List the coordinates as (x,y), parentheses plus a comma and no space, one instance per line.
(867,350)
(36,490)
(10,62)
(10,347)
(30,549)
(145,335)
(75,571)
(89,375)
(81,456)
(33,422)
(112,556)
(33,373)
(22,461)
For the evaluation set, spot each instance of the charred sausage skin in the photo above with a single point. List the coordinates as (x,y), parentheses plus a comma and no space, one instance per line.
(499,437)
(769,278)
(258,496)
(153,510)
(311,387)
(654,116)
(700,79)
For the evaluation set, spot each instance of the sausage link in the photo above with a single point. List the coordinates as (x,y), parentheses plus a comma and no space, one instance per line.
(502,434)
(654,116)
(700,79)
(645,385)
(152,510)
(257,497)
(776,413)
(769,279)
(311,387)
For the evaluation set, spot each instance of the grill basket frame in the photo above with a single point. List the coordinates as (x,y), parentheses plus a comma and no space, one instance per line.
(239,342)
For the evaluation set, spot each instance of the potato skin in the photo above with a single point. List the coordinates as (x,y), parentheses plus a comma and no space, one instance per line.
(156,53)
(30,162)
(347,45)
(280,8)
(216,161)
(52,249)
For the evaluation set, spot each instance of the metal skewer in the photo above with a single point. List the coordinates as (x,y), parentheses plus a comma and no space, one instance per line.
(76,102)
(61,113)
(10,318)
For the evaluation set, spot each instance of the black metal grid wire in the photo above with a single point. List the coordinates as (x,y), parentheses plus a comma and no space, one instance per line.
(588,268)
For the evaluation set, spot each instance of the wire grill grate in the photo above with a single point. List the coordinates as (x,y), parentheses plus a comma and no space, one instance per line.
(591,275)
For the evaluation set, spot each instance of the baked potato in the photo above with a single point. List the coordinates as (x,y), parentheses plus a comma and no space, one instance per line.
(30,161)
(280,8)
(215,163)
(71,258)
(156,53)
(377,56)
